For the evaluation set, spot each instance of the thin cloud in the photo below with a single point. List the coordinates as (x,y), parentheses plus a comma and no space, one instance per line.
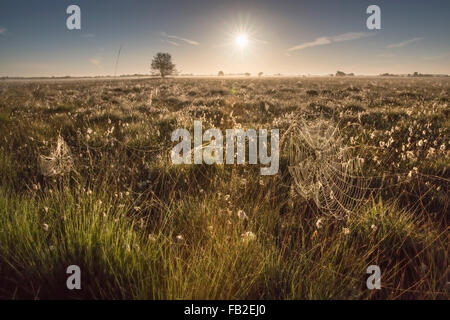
(172,42)
(188,41)
(318,42)
(404,43)
(351,36)
(327,40)
(3,31)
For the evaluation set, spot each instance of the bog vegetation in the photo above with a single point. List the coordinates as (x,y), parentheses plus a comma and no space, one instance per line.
(86,179)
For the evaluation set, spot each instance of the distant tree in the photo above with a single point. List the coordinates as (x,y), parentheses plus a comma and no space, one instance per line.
(260,74)
(387,74)
(162,63)
(247,74)
(220,74)
(340,74)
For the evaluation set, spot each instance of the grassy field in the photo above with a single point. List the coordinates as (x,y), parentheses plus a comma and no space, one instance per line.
(86,179)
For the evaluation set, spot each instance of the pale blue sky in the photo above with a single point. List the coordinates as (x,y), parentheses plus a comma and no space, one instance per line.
(290,37)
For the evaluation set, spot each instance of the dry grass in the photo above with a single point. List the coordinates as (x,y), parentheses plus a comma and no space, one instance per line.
(140,227)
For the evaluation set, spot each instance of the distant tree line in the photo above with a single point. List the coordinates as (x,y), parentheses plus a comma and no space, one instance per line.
(247,74)
(343,74)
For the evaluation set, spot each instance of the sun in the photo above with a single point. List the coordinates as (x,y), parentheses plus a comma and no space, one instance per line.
(241,41)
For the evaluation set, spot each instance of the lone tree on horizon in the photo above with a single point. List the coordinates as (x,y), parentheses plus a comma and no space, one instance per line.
(162,63)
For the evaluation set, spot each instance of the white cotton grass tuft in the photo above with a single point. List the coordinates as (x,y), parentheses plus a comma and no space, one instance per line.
(59,162)
(242,215)
(248,236)
(319,223)
(152,237)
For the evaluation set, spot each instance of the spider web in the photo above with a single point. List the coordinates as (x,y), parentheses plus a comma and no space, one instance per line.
(325,169)
(59,162)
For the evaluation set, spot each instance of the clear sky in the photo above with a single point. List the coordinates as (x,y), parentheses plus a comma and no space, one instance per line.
(205,36)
